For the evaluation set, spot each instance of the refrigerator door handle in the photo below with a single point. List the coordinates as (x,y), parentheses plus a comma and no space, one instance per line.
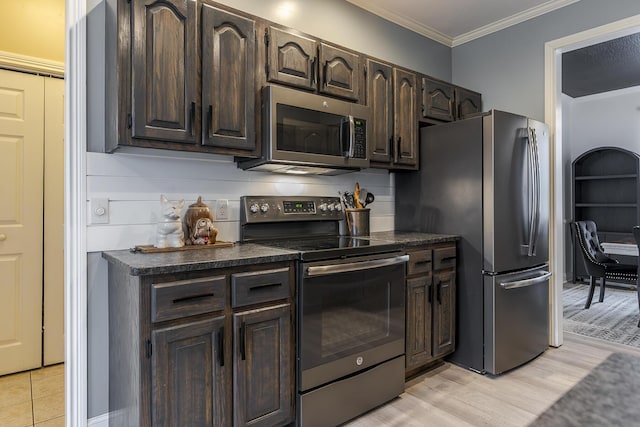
(536,222)
(544,276)
(534,193)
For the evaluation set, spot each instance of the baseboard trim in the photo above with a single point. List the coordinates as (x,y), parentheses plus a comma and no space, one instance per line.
(99,421)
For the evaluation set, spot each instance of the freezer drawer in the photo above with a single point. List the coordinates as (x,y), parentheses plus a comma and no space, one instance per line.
(516,318)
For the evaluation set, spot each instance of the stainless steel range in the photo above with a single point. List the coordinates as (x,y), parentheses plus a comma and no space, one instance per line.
(350,306)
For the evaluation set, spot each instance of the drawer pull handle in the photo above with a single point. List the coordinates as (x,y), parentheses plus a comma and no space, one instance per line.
(192,298)
(448,258)
(264,286)
(427,261)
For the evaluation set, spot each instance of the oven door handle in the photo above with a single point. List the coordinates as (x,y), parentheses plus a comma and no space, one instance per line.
(323,270)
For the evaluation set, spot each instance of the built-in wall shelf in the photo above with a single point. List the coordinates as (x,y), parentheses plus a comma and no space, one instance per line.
(606,190)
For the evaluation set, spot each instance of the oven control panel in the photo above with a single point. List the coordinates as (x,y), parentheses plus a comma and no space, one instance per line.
(293,208)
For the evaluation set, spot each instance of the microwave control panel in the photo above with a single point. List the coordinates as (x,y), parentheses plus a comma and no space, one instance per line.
(360,138)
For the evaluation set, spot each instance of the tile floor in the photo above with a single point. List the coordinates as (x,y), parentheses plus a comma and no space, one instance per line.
(33,398)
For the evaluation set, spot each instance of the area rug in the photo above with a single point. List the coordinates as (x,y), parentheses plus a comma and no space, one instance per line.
(599,398)
(615,319)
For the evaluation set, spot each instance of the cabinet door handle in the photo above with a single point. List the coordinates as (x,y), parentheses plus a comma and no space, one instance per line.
(221,346)
(429,296)
(192,119)
(209,121)
(313,71)
(324,74)
(243,348)
(438,292)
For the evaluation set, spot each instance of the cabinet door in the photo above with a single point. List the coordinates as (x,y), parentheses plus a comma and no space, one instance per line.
(340,74)
(437,99)
(188,375)
(419,315)
(444,313)
(291,58)
(263,367)
(467,103)
(380,101)
(405,118)
(228,80)
(164,70)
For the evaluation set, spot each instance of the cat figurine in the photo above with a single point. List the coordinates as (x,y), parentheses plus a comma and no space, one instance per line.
(169,231)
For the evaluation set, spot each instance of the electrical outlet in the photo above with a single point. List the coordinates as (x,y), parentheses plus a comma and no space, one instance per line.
(222,209)
(99,211)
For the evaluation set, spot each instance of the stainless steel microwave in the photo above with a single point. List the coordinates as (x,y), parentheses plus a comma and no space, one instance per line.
(307,133)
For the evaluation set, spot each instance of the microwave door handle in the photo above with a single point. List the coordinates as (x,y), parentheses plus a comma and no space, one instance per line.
(347,136)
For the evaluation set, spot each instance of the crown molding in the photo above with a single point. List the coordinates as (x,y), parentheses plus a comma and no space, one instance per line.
(30,64)
(404,21)
(449,41)
(518,18)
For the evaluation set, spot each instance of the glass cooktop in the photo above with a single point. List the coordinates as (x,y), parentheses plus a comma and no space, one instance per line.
(327,247)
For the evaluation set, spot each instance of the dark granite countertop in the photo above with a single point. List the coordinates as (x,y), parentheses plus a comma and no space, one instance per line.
(139,264)
(412,238)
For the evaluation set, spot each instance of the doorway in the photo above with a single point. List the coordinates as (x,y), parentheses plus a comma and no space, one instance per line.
(554,118)
(31,221)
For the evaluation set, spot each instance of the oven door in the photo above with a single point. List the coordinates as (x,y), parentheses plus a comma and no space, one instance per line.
(350,316)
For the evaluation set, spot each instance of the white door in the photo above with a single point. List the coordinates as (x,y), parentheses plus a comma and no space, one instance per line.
(21,224)
(53,339)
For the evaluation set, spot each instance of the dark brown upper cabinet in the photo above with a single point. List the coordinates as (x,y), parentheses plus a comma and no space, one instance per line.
(228,79)
(185,73)
(380,101)
(340,72)
(298,60)
(291,58)
(467,103)
(164,70)
(405,107)
(437,99)
(391,96)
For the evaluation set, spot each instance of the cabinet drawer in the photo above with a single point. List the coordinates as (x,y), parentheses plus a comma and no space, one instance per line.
(183,298)
(419,262)
(444,258)
(259,286)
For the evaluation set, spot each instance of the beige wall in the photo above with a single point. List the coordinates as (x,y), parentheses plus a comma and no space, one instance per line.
(33,28)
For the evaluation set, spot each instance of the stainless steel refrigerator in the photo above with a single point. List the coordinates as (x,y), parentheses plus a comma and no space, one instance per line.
(487,179)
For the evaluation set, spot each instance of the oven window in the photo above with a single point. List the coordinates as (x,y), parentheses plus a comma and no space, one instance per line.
(308,131)
(347,313)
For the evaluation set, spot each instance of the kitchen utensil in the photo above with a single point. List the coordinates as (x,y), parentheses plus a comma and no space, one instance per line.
(356,197)
(369,198)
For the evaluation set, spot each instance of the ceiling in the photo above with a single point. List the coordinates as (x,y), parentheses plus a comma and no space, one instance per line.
(454,22)
(602,67)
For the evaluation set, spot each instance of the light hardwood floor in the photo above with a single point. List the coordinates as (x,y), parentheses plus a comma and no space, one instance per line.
(452,396)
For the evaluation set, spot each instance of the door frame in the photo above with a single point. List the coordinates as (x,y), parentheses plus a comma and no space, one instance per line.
(75,196)
(553,51)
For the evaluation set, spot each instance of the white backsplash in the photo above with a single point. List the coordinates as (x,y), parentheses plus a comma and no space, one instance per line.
(133,183)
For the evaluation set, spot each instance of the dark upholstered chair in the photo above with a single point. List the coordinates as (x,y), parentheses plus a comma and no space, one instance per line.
(597,263)
(636,235)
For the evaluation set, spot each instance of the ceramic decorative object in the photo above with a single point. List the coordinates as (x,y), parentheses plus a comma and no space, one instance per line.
(169,232)
(198,222)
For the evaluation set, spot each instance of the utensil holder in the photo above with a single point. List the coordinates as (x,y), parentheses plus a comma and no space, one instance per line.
(357,221)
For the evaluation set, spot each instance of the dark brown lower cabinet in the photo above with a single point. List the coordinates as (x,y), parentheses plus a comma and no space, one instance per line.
(202,348)
(188,380)
(431,305)
(262,364)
